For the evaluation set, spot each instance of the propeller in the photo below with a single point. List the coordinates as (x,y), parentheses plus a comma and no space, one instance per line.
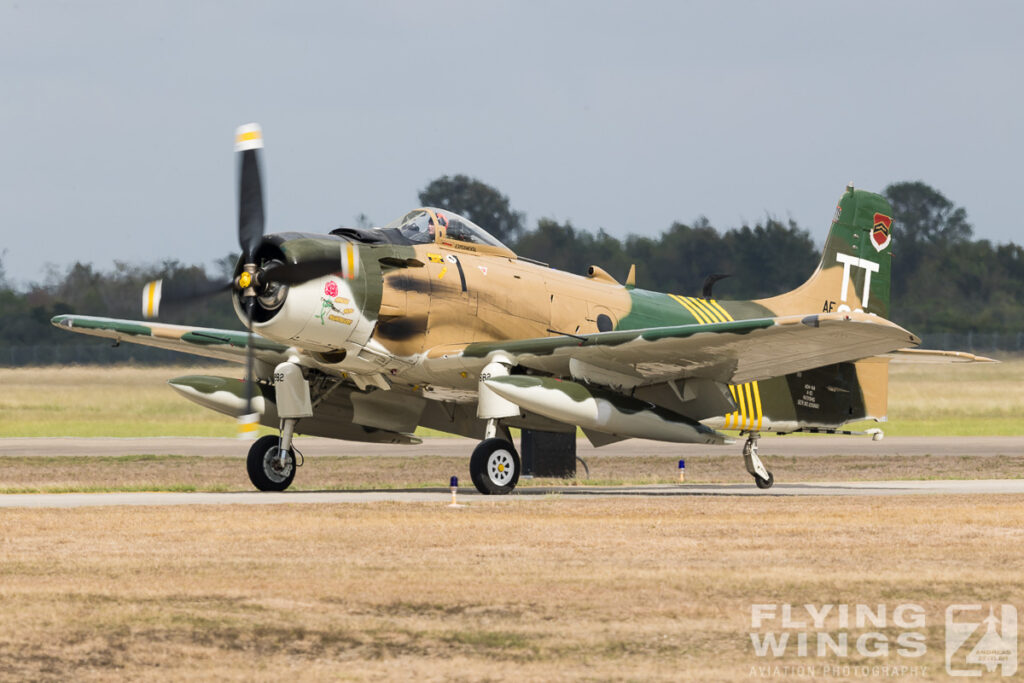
(248,142)
(253,278)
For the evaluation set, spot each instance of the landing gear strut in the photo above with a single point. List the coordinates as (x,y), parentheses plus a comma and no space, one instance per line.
(762,477)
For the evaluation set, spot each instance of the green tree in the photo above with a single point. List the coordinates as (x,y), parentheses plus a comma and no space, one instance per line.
(477,201)
(923,215)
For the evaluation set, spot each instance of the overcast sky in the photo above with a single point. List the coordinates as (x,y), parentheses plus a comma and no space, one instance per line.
(117,118)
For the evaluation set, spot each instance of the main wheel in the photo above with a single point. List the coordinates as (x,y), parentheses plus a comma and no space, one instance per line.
(764,483)
(494,467)
(267,470)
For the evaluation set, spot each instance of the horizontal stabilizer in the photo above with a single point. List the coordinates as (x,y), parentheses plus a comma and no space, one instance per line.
(932,356)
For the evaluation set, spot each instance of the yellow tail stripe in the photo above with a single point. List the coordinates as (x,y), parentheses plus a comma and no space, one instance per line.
(698,316)
(710,312)
(757,403)
(724,313)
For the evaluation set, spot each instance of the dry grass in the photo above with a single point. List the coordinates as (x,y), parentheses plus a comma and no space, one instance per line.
(191,473)
(105,401)
(957,400)
(635,589)
(936,400)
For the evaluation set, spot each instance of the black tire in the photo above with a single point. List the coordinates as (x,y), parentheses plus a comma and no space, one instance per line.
(764,483)
(261,465)
(494,467)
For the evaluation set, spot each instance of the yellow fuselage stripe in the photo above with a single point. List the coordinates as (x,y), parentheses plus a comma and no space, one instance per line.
(695,305)
(746,396)
(731,417)
(711,313)
(751,413)
(679,300)
(743,407)
(757,404)
(697,315)
(724,313)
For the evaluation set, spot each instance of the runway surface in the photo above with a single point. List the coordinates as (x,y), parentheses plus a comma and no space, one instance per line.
(796,445)
(313,447)
(442,497)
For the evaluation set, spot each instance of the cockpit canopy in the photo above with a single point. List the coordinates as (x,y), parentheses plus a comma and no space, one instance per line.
(421,226)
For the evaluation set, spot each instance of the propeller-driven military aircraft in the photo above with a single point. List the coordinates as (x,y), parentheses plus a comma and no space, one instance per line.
(365,334)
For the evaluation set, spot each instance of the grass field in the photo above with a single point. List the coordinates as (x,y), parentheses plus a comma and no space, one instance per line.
(558,589)
(937,400)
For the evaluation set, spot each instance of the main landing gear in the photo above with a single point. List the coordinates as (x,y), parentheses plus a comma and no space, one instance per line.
(762,477)
(494,465)
(271,467)
(271,462)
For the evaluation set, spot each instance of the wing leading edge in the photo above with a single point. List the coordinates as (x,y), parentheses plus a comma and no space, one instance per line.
(209,342)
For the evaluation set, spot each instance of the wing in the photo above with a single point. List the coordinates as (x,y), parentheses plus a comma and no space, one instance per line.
(200,341)
(730,352)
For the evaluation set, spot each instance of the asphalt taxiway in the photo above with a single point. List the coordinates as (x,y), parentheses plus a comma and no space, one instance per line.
(795,445)
(441,497)
(311,447)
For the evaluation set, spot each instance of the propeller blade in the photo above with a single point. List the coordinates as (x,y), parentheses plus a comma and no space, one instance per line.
(248,424)
(173,292)
(297,273)
(248,142)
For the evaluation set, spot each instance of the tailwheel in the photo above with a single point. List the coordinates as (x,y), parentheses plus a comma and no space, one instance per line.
(764,483)
(494,467)
(762,477)
(270,468)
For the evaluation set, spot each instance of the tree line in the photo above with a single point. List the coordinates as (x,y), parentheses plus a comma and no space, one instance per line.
(944,280)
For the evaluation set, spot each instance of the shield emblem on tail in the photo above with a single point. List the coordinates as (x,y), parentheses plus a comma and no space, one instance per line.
(881,233)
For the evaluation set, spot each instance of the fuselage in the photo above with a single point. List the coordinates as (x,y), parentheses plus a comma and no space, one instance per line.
(394,303)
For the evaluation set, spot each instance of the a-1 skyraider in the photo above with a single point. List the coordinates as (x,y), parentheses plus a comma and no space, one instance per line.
(365,334)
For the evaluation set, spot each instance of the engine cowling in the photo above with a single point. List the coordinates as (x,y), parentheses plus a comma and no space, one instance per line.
(326,314)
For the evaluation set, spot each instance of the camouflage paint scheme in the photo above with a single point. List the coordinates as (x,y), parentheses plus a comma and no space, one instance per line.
(413,324)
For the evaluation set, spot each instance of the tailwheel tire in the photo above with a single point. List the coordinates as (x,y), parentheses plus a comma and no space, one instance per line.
(267,470)
(764,483)
(494,467)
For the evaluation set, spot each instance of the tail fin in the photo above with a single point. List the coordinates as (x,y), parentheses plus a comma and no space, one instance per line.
(855,265)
